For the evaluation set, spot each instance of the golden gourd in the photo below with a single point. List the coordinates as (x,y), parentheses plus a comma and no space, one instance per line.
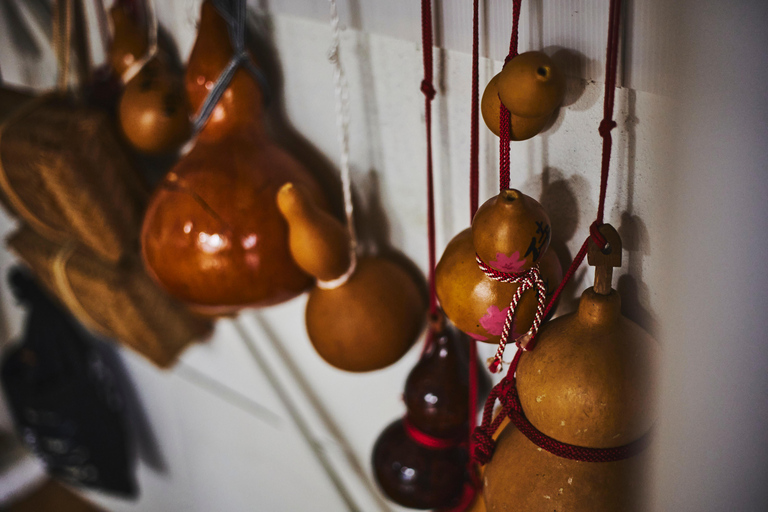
(213,235)
(371,320)
(510,232)
(589,382)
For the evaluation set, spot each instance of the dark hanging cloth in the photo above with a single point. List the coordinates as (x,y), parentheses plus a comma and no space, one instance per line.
(64,397)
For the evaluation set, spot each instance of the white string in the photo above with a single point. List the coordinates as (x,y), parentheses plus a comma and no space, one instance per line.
(137,66)
(342,122)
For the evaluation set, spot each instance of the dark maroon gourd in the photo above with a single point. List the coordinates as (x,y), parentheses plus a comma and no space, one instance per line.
(436,394)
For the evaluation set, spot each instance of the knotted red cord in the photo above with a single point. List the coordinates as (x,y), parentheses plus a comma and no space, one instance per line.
(527,280)
(504,135)
(506,390)
(429,93)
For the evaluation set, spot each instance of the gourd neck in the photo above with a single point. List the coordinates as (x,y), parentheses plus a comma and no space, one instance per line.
(599,310)
(241,105)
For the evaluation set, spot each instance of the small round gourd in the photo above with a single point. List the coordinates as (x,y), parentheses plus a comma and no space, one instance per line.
(531,85)
(511,231)
(153,111)
(520,128)
(371,320)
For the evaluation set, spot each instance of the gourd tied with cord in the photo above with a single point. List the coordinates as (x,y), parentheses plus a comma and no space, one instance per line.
(365,311)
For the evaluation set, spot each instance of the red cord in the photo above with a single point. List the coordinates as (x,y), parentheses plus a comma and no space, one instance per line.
(474,193)
(504,135)
(424,439)
(474,144)
(429,93)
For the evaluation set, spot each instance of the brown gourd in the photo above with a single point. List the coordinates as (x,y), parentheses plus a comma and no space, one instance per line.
(130,38)
(520,128)
(510,232)
(589,382)
(436,397)
(153,111)
(531,87)
(213,235)
(371,320)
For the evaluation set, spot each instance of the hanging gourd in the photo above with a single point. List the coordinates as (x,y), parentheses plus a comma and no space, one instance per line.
(419,461)
(359,318)
(589,385)
(510,234)
(531,87)
(152,110)
(130,36)
(212,234)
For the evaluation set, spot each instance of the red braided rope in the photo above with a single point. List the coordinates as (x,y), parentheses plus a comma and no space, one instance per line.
(530,279)
(506,392)
(474,131)
(504,135)
(429,93)
(432,442)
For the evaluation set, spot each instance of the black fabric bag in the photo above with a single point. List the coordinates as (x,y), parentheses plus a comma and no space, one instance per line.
(65,399)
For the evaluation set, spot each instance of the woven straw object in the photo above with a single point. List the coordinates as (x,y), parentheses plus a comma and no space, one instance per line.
(119,301)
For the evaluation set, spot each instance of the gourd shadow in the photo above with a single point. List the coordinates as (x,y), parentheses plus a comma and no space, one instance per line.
(260,42)
(560,199)
(634,234)
(573,65)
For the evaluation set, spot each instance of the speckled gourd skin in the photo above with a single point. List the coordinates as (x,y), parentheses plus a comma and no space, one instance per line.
(588,382)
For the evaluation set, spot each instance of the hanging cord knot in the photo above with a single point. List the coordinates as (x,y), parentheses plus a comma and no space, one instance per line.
(597,236)
(234,15)
(606,125)
(530,279)
(428,89)
(483,445)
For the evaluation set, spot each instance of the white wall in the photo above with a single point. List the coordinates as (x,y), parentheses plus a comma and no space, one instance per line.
(686,192)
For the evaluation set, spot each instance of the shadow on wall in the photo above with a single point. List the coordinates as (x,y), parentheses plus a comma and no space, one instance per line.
(635,294)
(260,42)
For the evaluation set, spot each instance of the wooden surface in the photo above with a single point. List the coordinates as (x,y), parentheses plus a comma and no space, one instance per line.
(53,497)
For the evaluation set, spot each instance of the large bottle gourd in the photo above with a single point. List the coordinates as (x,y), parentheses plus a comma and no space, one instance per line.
(372,319)
(510,232)
(213,235)
(589,382)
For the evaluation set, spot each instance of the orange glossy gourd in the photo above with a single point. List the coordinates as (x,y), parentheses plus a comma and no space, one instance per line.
(213,235)
(510,232)
(520,128)
(589,382)
(371,320)
(436,397)
(531,85)
(153,110)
